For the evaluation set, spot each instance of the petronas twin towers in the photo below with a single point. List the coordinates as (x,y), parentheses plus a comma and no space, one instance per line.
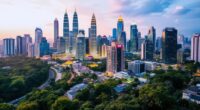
(70,36)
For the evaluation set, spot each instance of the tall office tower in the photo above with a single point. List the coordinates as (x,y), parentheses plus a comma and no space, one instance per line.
(120,57)
(114,34)
(158,43)
(28,41)
(72,43)
(66,33)
(19,47)
(195,48)
(80,48)
(115,58)
(169,45)
(140,41)
(152,36)
(61,45)
(104,50)
(123,38)
(92,37)
(8,47)
(120,29)
(56,33)
(147,50)
(75,24)
(38,39)
(99,44)
(44,47)
(75,33)
(111,58)
(133,38)
(87,50)
(38,35)
(181,41)
(31,50)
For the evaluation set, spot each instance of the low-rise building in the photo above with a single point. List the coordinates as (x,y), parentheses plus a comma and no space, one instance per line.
(73,91)
(192,94)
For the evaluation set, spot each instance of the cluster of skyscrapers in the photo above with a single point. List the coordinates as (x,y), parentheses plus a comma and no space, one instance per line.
(113,48)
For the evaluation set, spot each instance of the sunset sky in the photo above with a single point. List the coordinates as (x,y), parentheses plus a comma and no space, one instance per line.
(20,17)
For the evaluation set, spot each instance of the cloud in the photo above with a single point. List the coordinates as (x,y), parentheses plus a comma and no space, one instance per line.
(143,7)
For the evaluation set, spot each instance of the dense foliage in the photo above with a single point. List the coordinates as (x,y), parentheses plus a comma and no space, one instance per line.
(20,75)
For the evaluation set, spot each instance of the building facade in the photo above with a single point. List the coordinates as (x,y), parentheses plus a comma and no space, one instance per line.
(169,46)
(8,47)
(195,48)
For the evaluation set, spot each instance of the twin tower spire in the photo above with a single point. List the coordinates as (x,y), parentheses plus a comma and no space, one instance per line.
(75,27)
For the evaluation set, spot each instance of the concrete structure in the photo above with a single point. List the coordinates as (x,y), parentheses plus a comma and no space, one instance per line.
(115,58)
(73,91)
(192,94)
(8,47)
(80,48)
(133,38)
(56,33)
(195,48)
(65,40)
(169,46)
(137,67)
(92,37)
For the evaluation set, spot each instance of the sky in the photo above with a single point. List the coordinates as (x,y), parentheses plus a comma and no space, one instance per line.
(19,17)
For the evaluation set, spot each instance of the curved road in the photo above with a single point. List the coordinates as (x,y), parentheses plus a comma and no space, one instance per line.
(43,86)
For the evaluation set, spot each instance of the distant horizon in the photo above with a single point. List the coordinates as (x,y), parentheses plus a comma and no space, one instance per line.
(22,17)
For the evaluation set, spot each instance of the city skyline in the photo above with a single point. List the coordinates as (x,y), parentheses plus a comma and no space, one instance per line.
(27,15)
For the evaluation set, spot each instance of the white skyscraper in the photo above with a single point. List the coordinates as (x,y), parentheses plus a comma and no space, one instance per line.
(195,48)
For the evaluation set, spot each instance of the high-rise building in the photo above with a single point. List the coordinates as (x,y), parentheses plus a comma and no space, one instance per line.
(38,35)
(65,34)
(115,58)
(152,36)
(133,38)
(75,24)
(120,29)
(114,34)
(181,40)
(31,50)
(44,47)
(111,58)
(38,39)
(195,48)
(61,45)
(147,50)
(80,48)
(87,50)
(92,37)
(120,57)
(8,47)
(158,43)
(169,46)
(19,47)
(123,38)
(104,50)
(56,33)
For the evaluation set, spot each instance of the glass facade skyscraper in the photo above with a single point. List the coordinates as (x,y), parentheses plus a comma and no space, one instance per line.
(133,38)
(169,46)
(92,37)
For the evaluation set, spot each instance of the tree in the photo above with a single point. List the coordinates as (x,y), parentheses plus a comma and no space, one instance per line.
(28,106)
(63,103)
(6,107)
(155,96)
